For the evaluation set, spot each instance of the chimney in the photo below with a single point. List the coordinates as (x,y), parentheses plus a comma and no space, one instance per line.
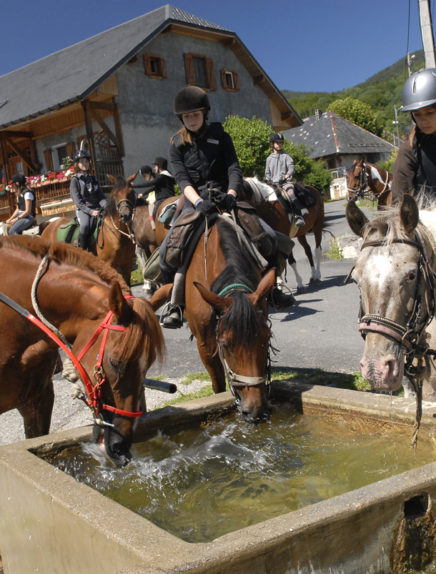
(318,114)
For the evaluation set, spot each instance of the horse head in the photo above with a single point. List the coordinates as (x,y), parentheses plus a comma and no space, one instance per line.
(395,279)
(243,342)
(356,179)
(129,346)
(122,199)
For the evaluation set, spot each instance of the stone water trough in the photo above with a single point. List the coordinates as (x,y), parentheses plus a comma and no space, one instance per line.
(50,523)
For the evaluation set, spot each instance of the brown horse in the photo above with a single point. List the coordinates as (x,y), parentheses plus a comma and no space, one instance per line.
(395,275)
(264,198)
(114,243)
(230,319)
(366,178)
(85,308)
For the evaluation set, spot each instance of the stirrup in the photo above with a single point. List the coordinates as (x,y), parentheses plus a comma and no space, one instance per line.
(299,220)
(280,300)
(171,316)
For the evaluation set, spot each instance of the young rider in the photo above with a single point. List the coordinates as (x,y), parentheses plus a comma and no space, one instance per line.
(414,170)
(279,170)
(87,195)
(162,184)
(206,167)
(24,214)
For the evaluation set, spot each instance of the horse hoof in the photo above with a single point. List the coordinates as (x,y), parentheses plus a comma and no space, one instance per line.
(314,281)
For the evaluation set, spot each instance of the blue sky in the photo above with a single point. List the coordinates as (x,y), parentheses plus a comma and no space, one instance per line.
(304,45)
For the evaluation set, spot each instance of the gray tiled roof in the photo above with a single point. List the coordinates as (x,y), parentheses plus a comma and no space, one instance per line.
(330,134)
(74,72)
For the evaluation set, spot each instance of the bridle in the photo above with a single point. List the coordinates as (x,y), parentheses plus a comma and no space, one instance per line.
(411,335)
(115,229)
(363,180)
(236,380)
(94,391)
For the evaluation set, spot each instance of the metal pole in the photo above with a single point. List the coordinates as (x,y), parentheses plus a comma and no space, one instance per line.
(427,33)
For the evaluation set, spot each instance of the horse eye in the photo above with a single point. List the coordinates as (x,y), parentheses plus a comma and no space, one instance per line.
(116,365)
(411,275)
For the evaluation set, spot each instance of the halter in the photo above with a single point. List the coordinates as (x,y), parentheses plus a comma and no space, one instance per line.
(235,380)
(122,203)
(408,336)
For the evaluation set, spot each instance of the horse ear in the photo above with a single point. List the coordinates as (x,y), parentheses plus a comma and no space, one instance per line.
(117,303)
(409,213)
(160,296)
(131,178)
(356,218)
(111,178)
(264,288)
(220,304)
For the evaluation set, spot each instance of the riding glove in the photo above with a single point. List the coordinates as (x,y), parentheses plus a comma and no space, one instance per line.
(206,207)
(229,202)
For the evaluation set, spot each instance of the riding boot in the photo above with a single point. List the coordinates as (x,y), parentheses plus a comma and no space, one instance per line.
(298,213)
(172,315)
(281,300)
(83,241)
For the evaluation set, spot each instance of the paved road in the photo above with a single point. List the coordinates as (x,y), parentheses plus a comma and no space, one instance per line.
(320,331)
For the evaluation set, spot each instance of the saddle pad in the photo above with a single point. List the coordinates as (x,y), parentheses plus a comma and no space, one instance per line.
(68,233)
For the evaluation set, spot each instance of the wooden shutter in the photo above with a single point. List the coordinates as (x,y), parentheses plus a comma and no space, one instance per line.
(189,70)
(71,148)
(210,74)
(48,160)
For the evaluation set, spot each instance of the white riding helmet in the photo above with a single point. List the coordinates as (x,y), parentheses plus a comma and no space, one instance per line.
(419,90)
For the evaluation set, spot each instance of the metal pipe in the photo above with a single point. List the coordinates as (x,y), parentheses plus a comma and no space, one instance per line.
(160,386)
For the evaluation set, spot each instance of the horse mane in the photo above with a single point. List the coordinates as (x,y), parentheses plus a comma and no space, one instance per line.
(242,319)
(65,253)
(257,190)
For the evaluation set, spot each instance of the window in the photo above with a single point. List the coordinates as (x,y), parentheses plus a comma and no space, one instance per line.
(58,154)
(229,80)
(199,71)
(155,66)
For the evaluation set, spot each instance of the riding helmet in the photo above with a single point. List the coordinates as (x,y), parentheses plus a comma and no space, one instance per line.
(161,162)
(81,154)
(191,99)
(419,90)
(145,170)
(20,179)
(276,137)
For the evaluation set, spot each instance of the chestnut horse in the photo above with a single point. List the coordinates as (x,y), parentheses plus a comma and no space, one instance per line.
(115,243)
(85,308)
(366,177)
(395,275)
(265,199)
(230,318)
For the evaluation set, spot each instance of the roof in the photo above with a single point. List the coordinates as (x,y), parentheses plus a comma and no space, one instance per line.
(328,134)
(62,78)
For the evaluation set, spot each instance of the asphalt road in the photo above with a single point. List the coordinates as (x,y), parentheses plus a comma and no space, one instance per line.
(319,332)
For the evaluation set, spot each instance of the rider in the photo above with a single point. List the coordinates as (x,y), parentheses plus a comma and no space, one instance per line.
(279,170)
(414,170)
(87,195)
(24,214)
(206,168)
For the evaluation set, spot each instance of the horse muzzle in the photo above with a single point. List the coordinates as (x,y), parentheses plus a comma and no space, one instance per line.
(384,373)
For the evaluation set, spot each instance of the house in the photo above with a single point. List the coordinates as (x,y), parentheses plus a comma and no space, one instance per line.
(116,91)
(338,142)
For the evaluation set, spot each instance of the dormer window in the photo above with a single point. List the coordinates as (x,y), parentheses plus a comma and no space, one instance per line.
(155,66)
(199,71)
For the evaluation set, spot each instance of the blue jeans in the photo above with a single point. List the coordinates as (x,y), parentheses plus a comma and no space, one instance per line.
(21,225)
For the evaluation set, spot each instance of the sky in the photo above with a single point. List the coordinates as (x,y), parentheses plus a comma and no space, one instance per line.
(302,45)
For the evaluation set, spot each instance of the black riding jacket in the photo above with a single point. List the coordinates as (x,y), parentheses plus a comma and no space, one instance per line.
(210,161)
(86,193)
(162,184)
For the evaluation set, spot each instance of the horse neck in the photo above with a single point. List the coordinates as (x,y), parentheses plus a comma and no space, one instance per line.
(380,181)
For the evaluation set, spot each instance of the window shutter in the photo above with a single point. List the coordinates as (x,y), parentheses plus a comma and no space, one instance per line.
(210,74)
(189,70)
(48,160)
(71,148)
(236,80)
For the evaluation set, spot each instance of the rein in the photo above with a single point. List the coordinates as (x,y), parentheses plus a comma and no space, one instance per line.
(93,399)
(115,229)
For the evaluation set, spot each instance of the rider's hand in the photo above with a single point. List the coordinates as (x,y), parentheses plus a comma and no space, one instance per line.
(229,202)
(206,207)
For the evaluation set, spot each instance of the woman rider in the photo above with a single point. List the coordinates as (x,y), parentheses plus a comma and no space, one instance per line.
(414,170)
(206,168)
(24,214)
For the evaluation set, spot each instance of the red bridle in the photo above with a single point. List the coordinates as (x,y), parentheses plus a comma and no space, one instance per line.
(94,392)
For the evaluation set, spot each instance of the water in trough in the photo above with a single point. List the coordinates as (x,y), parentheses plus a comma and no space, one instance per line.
(204,482)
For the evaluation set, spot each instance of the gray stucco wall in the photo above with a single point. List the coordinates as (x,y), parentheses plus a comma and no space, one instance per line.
(146,104)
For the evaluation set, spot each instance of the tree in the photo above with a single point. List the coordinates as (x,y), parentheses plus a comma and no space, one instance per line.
(357,112)
(251,139)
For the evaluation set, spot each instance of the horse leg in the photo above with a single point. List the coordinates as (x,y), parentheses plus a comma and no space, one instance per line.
(37,410)
(293,264)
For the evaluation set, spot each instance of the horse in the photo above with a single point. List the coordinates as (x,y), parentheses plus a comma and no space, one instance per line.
(53,295)
(395,275)
(367,176)
(268,206)
(115,242)
(230,318)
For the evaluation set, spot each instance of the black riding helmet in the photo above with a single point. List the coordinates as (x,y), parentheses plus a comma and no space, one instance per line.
(20,179)
(161,162)
(191,99)
(276,137)
(80,155)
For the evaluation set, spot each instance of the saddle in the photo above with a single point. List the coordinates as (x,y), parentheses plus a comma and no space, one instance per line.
(69,233)
(185,234)
(288,192)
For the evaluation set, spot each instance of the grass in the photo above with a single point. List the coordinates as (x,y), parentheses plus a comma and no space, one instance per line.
(334,252)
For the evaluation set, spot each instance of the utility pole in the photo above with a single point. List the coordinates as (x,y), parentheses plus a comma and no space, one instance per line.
(427,33)
(410,57)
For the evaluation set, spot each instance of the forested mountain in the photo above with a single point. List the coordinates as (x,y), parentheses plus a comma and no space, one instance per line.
(382,92)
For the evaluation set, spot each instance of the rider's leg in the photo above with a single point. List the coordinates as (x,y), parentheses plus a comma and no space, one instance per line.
(172,315)
(85,228)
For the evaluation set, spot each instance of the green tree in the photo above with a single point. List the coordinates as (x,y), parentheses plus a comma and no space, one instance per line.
(251,139)
(357,112)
